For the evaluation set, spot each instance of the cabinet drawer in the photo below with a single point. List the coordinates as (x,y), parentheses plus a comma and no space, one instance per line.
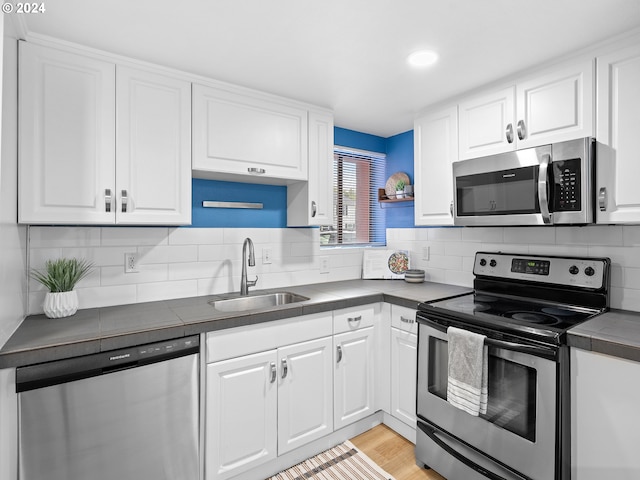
(350,319)
(404,318)
(235,342)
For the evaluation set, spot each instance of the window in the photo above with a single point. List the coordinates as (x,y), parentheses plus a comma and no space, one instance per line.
(358,219)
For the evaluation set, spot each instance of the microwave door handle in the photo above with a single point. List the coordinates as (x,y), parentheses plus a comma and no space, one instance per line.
(543,182)
(431,432)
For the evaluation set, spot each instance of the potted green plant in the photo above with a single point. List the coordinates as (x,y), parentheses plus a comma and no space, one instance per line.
(60,277)
(400,189)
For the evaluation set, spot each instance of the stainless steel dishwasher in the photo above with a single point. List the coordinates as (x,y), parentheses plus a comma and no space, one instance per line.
(129,413)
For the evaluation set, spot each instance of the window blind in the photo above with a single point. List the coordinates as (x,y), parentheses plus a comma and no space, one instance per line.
(358,219)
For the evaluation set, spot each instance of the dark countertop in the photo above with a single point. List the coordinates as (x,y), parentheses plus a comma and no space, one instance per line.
(40,339)
(615,333)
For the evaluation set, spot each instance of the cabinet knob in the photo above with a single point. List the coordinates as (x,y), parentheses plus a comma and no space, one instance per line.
(124,201)
(107,200)
(522,131)
(314,209)
(602,199)
(285,369)
(509,133)
(257,171)
(339,353)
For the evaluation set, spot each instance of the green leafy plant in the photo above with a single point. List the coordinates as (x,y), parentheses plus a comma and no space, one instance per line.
(61,275)
(400,185)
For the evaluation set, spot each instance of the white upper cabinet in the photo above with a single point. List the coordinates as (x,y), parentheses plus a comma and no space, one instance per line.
(618,165)
(74,110)
(67,137)
(484,121)
(153,148)
(236,136)
(311,203)
(550,107)
(435,149)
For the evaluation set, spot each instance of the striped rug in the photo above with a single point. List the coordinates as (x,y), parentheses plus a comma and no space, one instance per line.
(342,462)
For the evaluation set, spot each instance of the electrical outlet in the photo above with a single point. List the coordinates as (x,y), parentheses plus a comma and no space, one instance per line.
(267,254)
(425,253)
(324,264)
(130,263)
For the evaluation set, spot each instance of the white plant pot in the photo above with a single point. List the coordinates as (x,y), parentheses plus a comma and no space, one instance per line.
(60,304)
(399,193)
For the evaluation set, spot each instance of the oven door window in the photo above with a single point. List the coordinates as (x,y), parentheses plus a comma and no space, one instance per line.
(512,389)
(506,192)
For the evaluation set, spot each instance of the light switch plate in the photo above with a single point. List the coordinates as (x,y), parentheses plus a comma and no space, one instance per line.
(324,264)
(267,255)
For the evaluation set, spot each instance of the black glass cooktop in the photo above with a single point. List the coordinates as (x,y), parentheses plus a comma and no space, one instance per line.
(516,313)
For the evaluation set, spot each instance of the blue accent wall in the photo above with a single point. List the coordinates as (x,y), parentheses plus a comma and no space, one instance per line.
(400,159)
(272,215)
(399,151)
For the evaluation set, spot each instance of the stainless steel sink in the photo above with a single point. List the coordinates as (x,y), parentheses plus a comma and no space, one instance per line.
(253,302)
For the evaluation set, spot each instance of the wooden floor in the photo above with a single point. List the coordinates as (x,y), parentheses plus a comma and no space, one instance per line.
(393,453)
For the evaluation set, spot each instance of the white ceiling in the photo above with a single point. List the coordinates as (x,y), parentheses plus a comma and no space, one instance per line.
(348,55)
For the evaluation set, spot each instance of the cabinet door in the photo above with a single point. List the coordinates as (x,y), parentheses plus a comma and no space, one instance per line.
(354,376)
(435,149)
(67,137)
(311,203)
(246,136)
(305,393)
(556,107)
(241,414)
(404,357)
(153,148)
(618,168)
(604,417)
(486,124)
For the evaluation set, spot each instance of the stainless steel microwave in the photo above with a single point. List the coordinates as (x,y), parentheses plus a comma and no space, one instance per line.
(547,185)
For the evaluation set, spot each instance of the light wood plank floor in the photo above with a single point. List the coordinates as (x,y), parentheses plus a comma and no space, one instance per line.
(393,453)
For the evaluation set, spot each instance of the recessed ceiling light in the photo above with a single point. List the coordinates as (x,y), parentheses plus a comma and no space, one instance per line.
(422,58)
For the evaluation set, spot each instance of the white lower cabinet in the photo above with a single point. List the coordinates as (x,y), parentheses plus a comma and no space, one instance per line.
(605,431)
(261,405)
(404,358)
(354,376)
(241,414)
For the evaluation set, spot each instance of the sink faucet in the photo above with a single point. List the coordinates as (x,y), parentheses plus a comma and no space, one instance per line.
(244,283)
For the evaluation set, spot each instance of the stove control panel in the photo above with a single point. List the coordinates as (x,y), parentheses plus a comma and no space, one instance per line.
(572,271)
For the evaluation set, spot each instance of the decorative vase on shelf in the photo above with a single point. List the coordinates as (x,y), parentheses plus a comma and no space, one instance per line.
(60,304)
(400,189)
(60,277)
(399,193)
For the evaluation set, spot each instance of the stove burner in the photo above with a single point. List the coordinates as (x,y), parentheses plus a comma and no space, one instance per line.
(532,317)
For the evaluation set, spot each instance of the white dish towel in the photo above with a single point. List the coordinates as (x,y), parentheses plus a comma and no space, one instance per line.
(467,386)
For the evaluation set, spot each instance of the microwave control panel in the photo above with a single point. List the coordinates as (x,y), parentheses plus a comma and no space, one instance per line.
(566,185)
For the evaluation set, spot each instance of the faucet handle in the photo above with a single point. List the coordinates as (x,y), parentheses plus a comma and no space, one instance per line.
(252,283)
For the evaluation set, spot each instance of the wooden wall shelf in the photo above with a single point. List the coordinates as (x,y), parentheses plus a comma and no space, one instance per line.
(382,197)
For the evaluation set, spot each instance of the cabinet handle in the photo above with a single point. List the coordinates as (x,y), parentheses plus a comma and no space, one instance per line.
(509,133)
(285,369)
(258,171)
(314,209)
(124,201)
(339,353)
(406,320)
(107,200)
(273,372)
(451,208)
(354,319)
(522,131)
(602,199)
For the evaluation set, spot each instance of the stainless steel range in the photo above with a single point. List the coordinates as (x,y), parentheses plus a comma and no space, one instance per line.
(524,305)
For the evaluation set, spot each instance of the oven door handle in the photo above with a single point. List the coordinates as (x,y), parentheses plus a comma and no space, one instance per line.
(431,432)
(536,350)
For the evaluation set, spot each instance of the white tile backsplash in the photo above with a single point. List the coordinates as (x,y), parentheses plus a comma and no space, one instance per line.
(184,262)
(452,251)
